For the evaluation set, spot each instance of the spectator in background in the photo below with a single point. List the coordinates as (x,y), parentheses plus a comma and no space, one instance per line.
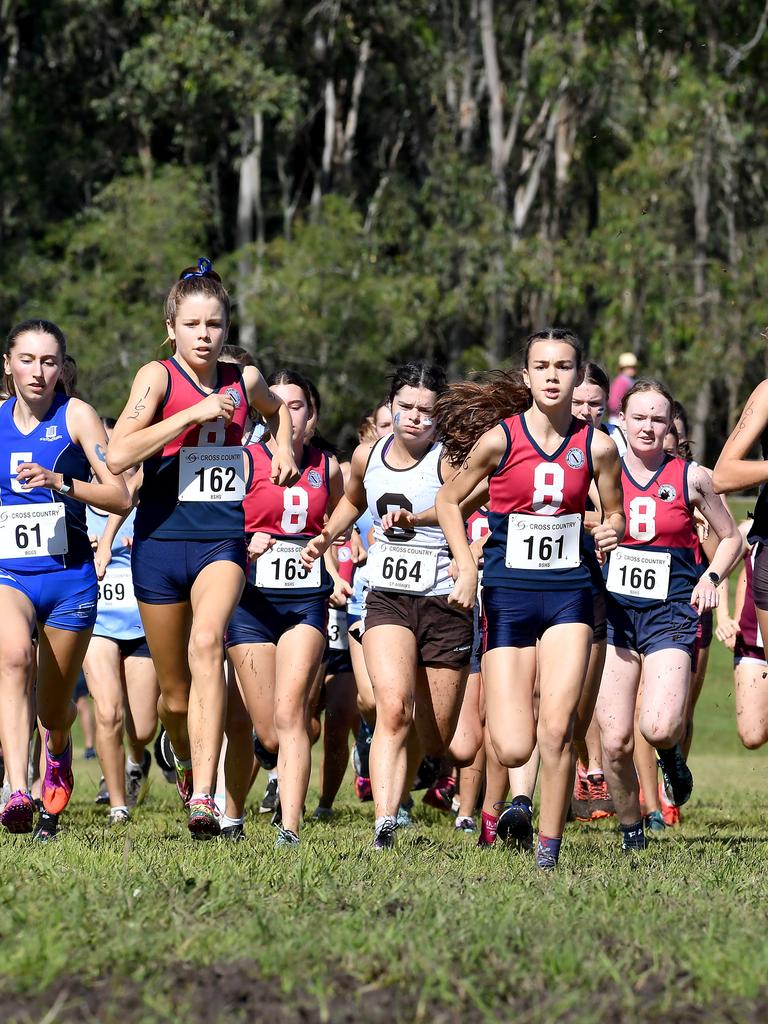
(621,384)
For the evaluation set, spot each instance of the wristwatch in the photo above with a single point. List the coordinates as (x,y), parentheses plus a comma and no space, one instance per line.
(66,484)
(714,579)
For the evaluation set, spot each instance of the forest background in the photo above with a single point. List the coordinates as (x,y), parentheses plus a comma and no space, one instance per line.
(379,180)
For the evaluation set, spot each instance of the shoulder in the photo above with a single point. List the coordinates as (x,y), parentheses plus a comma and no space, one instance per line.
(699,478)
(155,373)
(603,447)
(361,456)
(251,376)
(80,412)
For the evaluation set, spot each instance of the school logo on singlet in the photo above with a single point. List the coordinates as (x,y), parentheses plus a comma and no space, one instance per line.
(314,479)
(344,554)
(667,492)
(234,394)
(51,434)
(575,458)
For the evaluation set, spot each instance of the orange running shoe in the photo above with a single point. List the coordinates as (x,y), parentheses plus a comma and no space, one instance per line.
(59,781)
(580,798)
(600,801)
(669,811)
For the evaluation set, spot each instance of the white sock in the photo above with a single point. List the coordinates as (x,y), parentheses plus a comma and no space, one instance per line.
(131,765)
(273,774)
(227,822)
(121,807)
(201,796)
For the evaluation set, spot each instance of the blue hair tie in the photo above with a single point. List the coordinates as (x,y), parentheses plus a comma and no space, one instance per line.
(204,268)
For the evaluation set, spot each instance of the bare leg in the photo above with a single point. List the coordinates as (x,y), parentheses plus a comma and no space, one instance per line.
(60,661)
(616,717)
(103,671)
(340,720)
(167,630)
(140,699)
(752,703)
(17,663)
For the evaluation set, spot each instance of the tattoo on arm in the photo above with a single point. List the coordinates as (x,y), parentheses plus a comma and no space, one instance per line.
(101,454)
(139,407)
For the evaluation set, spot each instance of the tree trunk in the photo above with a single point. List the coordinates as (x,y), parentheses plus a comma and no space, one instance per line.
(249,205)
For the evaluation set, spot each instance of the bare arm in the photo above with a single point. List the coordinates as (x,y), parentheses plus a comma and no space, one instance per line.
(347,511)
(731,543)
(607,472)
(474,471)
(284,471)
(733,470)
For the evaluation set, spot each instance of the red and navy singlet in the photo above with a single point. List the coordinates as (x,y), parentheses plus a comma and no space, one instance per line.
(660,521)
(748,626)
(297,512)
(189,494)
(477,525)
(532,550)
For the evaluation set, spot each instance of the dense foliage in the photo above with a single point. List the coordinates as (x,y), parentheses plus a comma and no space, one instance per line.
(431,177)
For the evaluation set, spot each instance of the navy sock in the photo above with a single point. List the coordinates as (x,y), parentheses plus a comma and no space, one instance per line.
(633,836)
(548,851)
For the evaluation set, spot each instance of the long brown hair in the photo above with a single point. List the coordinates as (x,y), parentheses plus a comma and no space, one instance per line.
(467,409)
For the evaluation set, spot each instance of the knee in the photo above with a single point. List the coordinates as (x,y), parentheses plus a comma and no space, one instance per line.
(554,736)
(463,749)
(288,717)
(662,731)
(618,746)
(206,644)
(176,701)
(513,752)
(16,658)
(109,716)
(366,708)
(393,713)
(753,735)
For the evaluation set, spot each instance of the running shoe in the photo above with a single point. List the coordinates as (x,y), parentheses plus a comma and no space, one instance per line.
(271,797)
(286,838)
(58,781)
(384,833)
(234,833)
(580,799)
(515,824)
(89,754)
(102,797)
(404,819)
(137,780)
(164,756)
(19,812)
(363,788)
(47,828)
(2,770)
(441,794)
(669,812)
(361,749)
(323,813)
(118,816)
(203,820)
(546,859)
(675,774)
(464,824)
(428,773)
(600,802)
(654,822)
(277,816)
(184,784)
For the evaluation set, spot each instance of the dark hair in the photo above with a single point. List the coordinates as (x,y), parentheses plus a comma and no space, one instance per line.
(679,413)
(68,377)
(643,386)
(199,280)
(36,326)
(236,354)
(296,378)
(467,409)
(555,334)
(595,374)
(418,375)
(108,422)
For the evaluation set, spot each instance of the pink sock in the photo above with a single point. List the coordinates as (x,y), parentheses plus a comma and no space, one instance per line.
(488,828)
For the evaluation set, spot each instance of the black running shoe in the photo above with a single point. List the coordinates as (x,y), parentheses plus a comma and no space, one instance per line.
(137,781)
(164,756)
(384,833)
(234,833)
(266,758)
(675,774)
(47,828)
(102,797)
(271,798)
(515,824)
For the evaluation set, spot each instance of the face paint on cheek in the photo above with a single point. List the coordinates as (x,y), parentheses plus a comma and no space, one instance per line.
(427,422)
(396,420)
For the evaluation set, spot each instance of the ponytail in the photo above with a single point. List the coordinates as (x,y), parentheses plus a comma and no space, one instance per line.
(467,409)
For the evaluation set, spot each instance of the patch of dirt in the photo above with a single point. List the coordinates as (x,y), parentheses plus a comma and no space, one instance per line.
(235,992)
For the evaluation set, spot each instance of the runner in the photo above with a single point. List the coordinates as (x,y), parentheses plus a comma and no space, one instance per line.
(656,592)
(276,638)
(47,578)
(184,421)
(416,646)
(518,433)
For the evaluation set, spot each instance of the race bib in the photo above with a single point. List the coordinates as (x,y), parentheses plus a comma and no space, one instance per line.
(281,568)
(29,531)
(401,567)
(211,474)
(338,637)
(543,542)
(116,589)
(639,573)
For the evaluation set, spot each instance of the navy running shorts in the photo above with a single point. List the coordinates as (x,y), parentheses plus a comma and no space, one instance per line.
(165,570)
(659,627)
(260,619)
(63,598)
(519,618)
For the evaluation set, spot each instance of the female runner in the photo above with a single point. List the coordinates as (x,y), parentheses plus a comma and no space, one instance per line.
(539,464)
(276,638)
(655,593)
(416,646)
(184,421)
(47,578)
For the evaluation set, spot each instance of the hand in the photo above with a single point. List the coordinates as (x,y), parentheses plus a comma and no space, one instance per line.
(464,593)
(101,560)
(127,541)
(341,591)
(284,471)
(400,519)
(259,543)
(359,554)
(705,595)
(702,526)
(31,474)
(214,407)
(727,631)
(476,548)
(316,548)
(605,537)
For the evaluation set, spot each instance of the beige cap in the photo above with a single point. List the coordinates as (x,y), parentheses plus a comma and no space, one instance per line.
(627,359)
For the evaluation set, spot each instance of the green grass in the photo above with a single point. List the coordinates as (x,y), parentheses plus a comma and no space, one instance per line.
(144,925)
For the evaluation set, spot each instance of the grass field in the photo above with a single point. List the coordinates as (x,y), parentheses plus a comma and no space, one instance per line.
(144,925)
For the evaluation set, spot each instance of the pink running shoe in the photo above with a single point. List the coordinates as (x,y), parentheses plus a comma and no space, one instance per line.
(363,788)
(441,794)
(19,812)
(59,780)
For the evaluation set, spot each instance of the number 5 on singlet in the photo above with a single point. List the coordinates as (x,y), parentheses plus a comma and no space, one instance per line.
(211,474)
